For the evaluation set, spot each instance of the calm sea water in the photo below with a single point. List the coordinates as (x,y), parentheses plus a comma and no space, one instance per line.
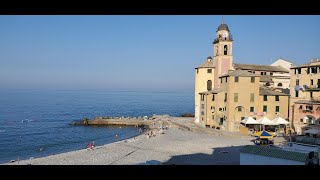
(35,123)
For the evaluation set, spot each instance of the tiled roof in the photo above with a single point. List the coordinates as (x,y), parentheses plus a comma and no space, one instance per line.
(257,67)
(265,78)
(306,102)
(239,73)
(276,153)
(213,91)
(269,92)
(206,64)
(315,62)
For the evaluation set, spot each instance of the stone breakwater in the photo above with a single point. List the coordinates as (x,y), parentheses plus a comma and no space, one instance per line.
(126,121)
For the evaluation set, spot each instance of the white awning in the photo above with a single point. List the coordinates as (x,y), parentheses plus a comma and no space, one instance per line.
(280,120)
(265,121)
(249,120)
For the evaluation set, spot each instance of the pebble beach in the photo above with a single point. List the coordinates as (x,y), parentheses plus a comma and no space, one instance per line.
(172,147)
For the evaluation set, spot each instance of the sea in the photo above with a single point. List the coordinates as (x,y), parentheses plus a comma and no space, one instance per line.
(37,123)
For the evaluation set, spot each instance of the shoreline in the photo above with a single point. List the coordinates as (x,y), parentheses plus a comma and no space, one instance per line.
(175,146)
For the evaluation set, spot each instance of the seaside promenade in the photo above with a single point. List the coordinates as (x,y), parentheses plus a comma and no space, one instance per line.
(184,142)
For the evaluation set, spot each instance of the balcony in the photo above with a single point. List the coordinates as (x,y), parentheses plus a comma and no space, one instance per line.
(313,88)
(307,111)
(315,99)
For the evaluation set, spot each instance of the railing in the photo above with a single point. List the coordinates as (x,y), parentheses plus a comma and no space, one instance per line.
(307,111)
(313,87)
(316,99)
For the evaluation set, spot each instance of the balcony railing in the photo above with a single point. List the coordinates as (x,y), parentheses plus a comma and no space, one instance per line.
(313,87)
(315,99)
(307,111)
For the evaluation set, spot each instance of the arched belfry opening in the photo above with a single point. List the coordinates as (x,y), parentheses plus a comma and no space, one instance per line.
(225,50)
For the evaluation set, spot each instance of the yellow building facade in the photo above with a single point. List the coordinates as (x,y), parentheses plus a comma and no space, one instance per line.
(226,93)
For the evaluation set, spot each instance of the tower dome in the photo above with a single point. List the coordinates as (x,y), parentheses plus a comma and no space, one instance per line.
(223,27)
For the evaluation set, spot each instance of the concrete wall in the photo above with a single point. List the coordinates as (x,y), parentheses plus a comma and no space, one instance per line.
(251,159)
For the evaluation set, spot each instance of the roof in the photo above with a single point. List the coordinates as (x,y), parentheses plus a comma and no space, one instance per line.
(213,91)
(306,102)
(206,64)
(275,153)
(265,78)
(314,63)
(260,67)
(223,26)
(269,92)
(239,73)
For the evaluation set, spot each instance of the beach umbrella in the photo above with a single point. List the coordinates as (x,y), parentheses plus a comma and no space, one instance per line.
(263,135)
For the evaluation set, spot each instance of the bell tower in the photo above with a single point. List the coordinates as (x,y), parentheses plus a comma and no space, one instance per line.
(222,52)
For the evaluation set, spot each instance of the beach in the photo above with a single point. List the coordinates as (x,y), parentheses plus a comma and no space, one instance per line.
(175,147)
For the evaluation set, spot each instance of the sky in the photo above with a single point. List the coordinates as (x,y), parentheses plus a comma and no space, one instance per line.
(140,52)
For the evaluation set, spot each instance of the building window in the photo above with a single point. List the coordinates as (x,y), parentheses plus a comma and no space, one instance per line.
(236,79)
(252,79)
(197,71)
(221,121)
(225,49)
(311,81)
(261,73)
(277,108)
(297,93)
(308,71)
(299,71)
(202,97)
(265,108)
(212,116)
(267,84)
(226,79)
(297,82)
(220,80)
(301,120)
(239,109)
(212,97)
(311,95)
(265,98)
(271,73)
(202,106)
(202,112)
(251,109)
(314,70)
(300,107)
(277,97)
(279,84)
(309,108)
(251,97)
(209,85)
(209,70)
(242,118)
(235,97)
(225,97)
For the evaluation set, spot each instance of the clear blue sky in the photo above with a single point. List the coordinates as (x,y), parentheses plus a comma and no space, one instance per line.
(140,52)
